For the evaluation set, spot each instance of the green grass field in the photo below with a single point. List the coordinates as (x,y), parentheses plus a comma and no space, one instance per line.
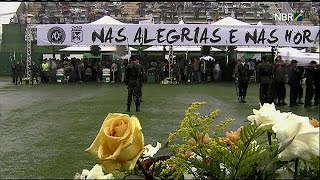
(46,128)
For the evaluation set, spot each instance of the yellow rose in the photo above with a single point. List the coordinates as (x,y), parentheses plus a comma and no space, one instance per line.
(119,142)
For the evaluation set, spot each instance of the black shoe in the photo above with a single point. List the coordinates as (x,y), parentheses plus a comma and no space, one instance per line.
(243,100)
(293,104)
(137,108)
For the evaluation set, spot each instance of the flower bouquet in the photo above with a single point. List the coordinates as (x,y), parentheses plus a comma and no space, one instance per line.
(275,145)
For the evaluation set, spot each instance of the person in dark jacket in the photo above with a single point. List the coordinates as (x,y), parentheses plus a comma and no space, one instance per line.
(241,75)
(265,77)
(13,71)
(279,80)
(34,72)
(19,73)
(300,88)
(294,82)
(310,77)
(132,76)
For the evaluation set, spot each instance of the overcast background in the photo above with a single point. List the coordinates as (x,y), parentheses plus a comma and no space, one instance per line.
(7,10)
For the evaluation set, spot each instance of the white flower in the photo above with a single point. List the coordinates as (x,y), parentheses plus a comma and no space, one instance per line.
(255,145)
(84,174)
(191,173)
(108,176)
(306,138)
(95,173)
(267,116)
(76,176)
(150,151)
(195,156)
(224,168)
(284,173)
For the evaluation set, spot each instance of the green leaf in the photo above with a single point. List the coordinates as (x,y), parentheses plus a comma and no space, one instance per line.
(247,152)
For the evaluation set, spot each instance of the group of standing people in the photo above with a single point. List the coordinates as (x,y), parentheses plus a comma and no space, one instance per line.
(191,70)
(272,80)
(312,82)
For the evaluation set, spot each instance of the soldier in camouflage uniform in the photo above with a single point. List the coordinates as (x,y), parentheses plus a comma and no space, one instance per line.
(265,78)
(132,78)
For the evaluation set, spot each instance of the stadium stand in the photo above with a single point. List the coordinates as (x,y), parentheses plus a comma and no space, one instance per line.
(169,12)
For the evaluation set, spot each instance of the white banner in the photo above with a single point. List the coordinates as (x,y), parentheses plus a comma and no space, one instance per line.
(177,34)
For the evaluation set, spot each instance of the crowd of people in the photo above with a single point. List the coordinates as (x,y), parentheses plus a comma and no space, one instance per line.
(82,70)
(271,76)
(192,70)
(86,12)
(74,70)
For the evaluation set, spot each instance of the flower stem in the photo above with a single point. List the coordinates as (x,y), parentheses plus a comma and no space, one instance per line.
(296,163)
(145,173)
(269,137)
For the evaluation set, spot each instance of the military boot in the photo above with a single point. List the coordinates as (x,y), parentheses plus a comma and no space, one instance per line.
(128,107)
(243,99)
(137,108)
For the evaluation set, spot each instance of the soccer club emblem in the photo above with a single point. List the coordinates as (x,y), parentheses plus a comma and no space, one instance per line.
(56,35)
(76,34)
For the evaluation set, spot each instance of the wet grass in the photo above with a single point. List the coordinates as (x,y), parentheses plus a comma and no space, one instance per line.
(46,128)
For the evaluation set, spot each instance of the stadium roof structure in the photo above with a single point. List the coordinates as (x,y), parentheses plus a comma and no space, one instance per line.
(253,49)
(87,49)
(181,22)
(289,53)
(229,21)
(106,20)
(259,23)
(179,48)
